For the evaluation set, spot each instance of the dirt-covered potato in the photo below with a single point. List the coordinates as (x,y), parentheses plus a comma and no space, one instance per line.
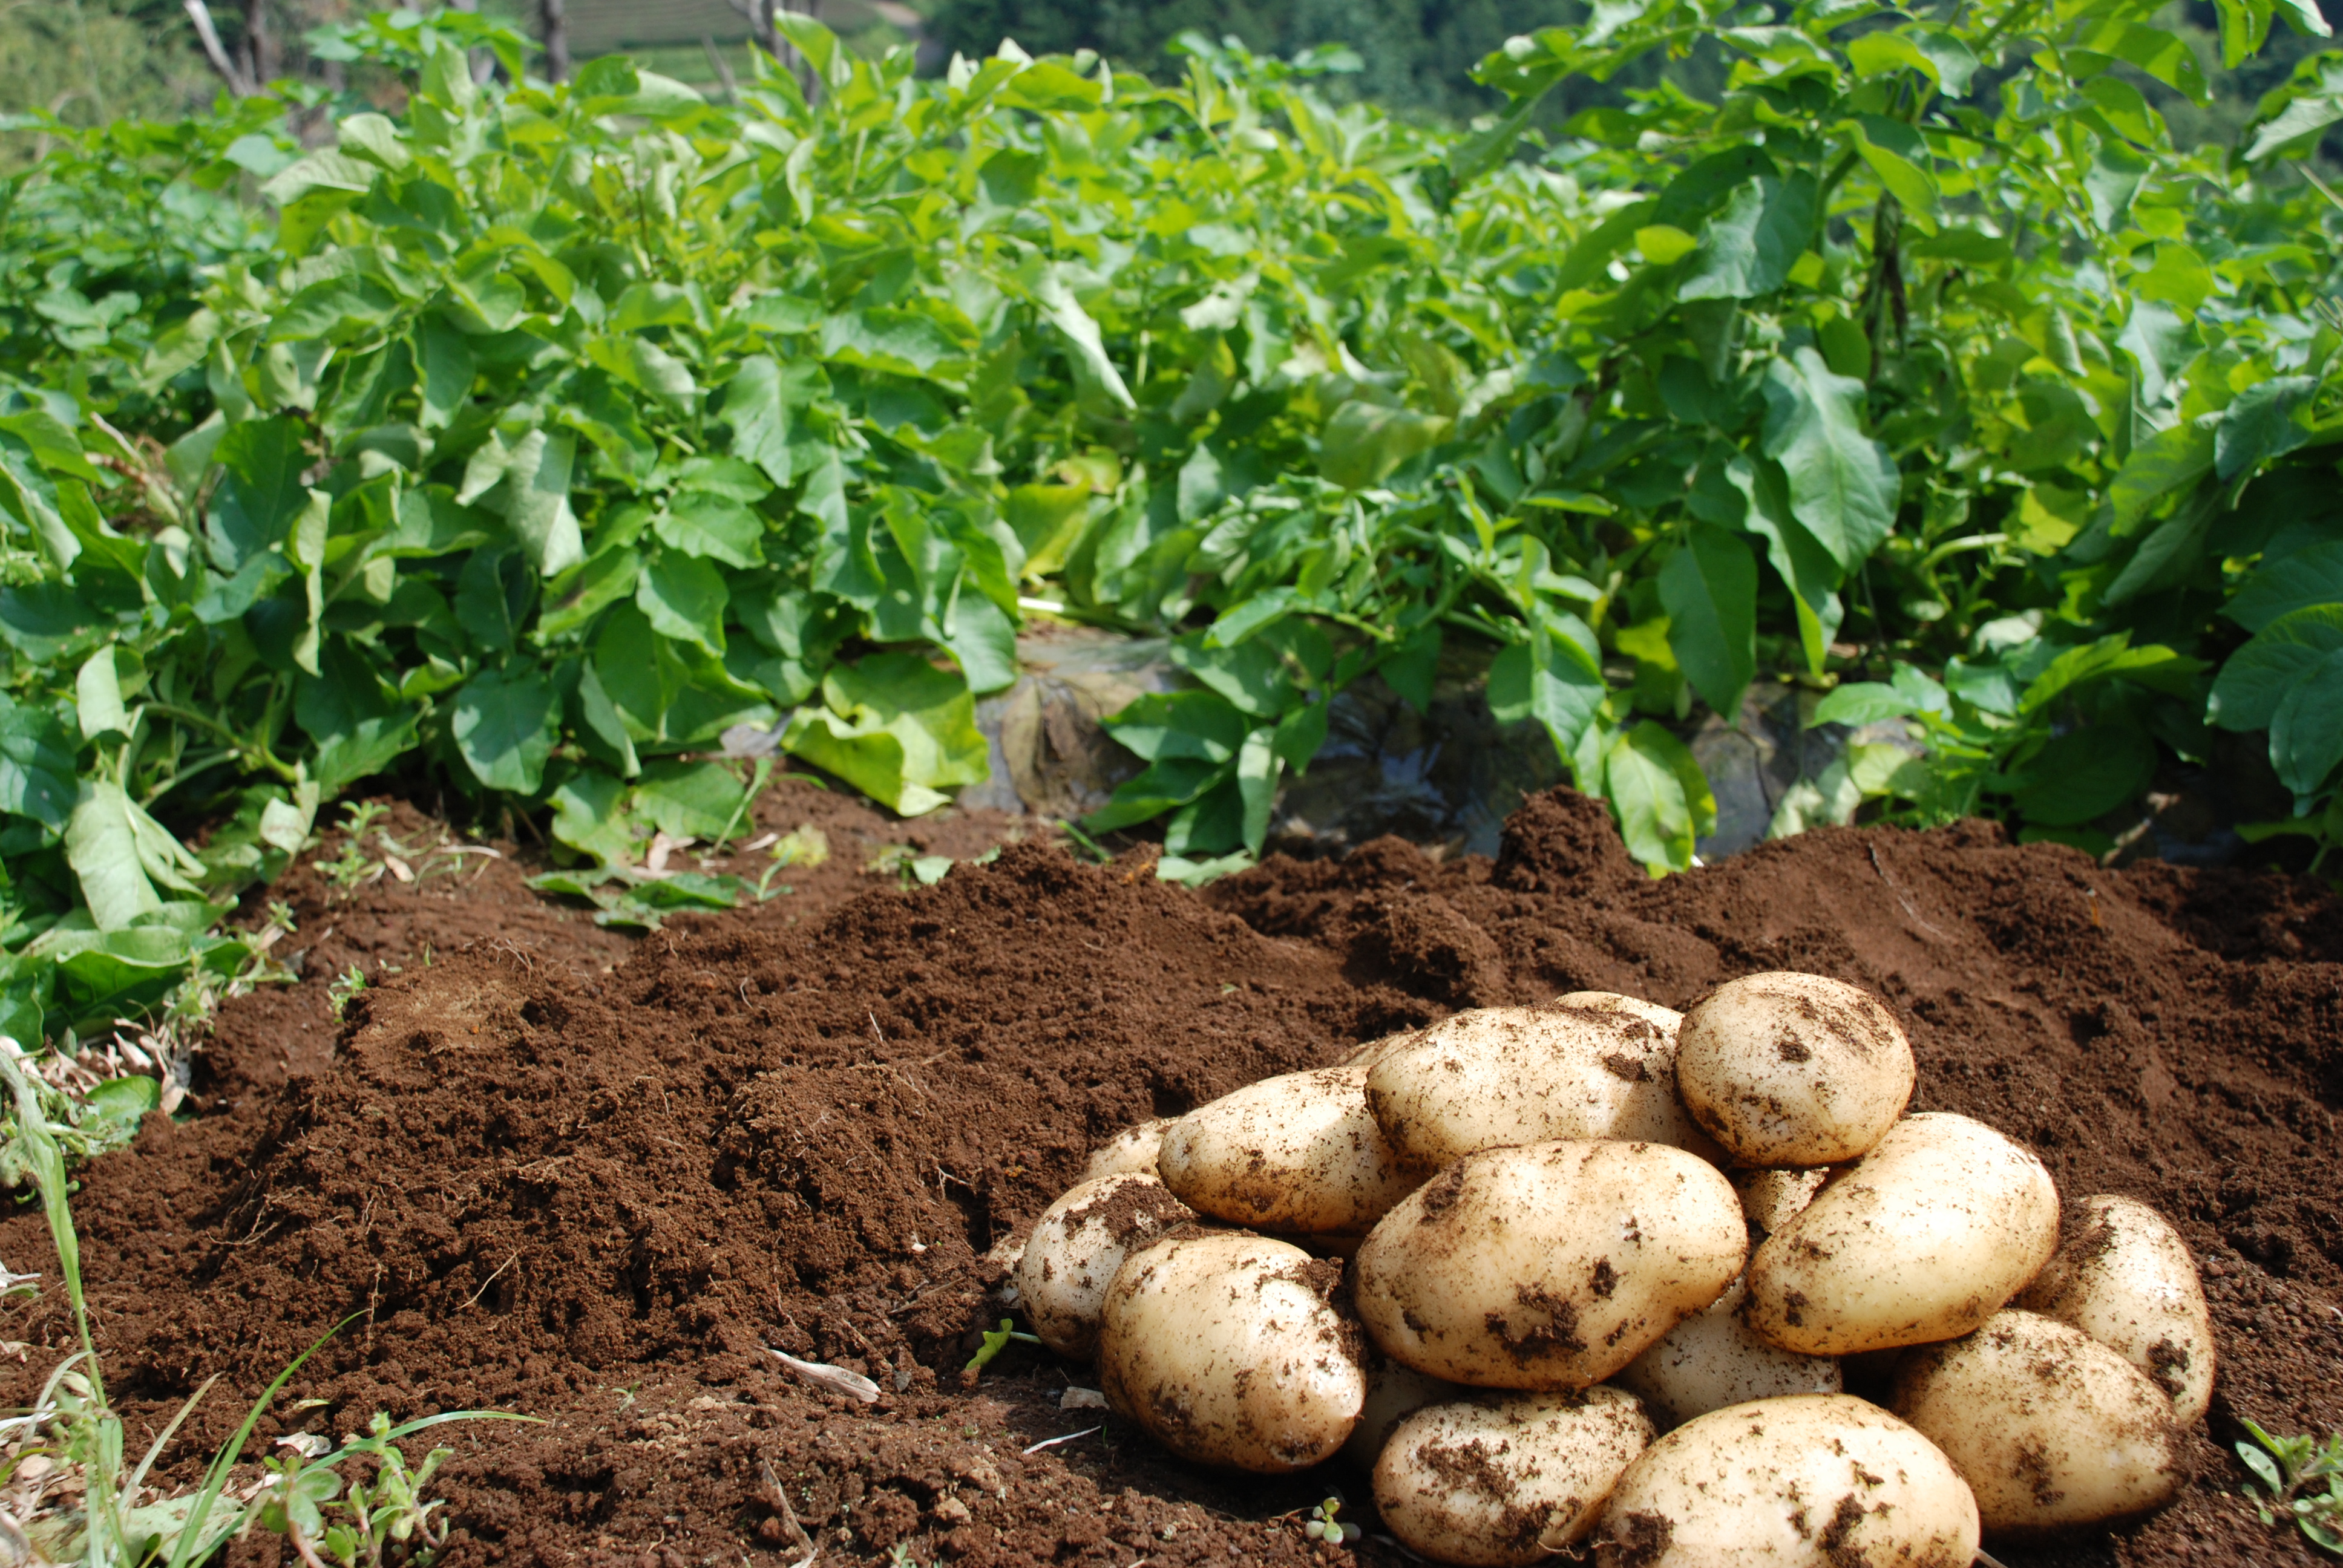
(1651,1012)
(1297,1153)
(2125,1277)
(1711,1360)
(1132,1148)
(1505,1480)
(1771,1198)
(1077,1245)
(1223,1347)
(1816,1481)
(1548,1266)
(1923,1239)
(1786,1069)
(1394,1392)
(2050,1428)
(1504,1075)
(1376,1050)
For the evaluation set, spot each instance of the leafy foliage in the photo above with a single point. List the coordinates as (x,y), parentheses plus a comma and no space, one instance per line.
(2290,1470)
(546,436)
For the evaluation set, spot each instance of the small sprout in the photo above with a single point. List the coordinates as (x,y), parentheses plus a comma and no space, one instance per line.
(2286,1466)
(805,845)
(349,984)
(996,1341)
(1323,1526)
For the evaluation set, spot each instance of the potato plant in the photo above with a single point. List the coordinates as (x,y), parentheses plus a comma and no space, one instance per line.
(533,439)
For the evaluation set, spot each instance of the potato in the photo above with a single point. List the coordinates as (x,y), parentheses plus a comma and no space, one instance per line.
(1506,1075)
(1666,1017)
(1297,1153)
(1787,1069)
(1814,1480)
(1711,1360)
(1374,1051)
(1077,1245)
(1771,1198)
(2050,1428)
(1223,1347)
(1132,1148)
(1923,1239)
(1505,1480)
(1548,1266)
(2125,1277)
(1394,1392)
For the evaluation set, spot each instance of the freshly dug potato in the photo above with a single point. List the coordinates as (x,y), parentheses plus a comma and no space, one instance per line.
(1666,1017)
(1771,1198)
(1924,1240)
(1548,1266)
(2125,1277)
(1297,1153)
(1711,1360)
(1374,1051)
(1506,1075)
(1077,1245)
(1394,1392)
(1132,1148)
(1786,1069)
(1814,1480)
(2050,1428)
(1223,1347)
(1505,1480)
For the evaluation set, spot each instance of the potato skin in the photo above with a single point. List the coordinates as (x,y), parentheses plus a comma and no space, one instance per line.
(1787,1069)
(1077,1245)
(1297,1153)
(1814,1480)
(1223,1347)
(1505,1480)
(1711,1360)
(2125,1277)
(1548,1266)
(1504,1075)
(2050,1428)
(1132,1148)
(1923,1239)
(1376,1050)
(1667,1019)
(1772,1199)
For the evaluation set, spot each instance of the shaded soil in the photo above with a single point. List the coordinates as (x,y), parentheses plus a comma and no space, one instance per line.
(594,1178)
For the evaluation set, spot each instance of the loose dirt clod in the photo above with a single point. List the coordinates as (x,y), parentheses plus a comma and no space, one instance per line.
(597,1197)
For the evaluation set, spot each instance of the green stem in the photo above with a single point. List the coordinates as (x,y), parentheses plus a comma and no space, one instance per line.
(254,754)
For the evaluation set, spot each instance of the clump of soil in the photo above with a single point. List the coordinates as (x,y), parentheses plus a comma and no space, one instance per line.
(598,1196)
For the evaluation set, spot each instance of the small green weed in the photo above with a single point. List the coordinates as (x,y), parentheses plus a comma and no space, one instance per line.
(1323,1526)
(2304,1482)
(995,1341)
(346,984)
(353,866)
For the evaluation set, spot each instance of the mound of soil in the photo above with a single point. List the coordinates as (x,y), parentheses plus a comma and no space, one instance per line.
(602,1189)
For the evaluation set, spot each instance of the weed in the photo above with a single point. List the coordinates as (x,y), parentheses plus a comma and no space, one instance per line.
(2293,1468)
(348,984)
(995,1341)
(351,866)
(1323,1526)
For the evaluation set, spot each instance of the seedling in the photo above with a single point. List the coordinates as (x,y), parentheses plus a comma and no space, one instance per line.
(348,984)
(2304,1482)
(996,1341)
(351,866)
(1323,1526)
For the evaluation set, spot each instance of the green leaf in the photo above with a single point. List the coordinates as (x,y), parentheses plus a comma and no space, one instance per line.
(1363,442)
(2258,677)
(2113,180)
(1546,679)
(760,402)
(97,695)
(897,727)
(102,846)
(588,816)
(1843,485)
(2312,575)
(1660,796)
(1810,571)
(1909,181)
(898,341)
(2299,121)
(1065,312)
(1709,589)
(2085,774)
(2161,53)
(1865,702)
(28,495)
(36,765)
(504,724)
(444,357)
(536,500)
(719,528)
(2167,461)
(1257,766)
(689,800)
(1747,248)
(1191,724)
(684,597)
(124,1101)
(2260,424)
(2306,740)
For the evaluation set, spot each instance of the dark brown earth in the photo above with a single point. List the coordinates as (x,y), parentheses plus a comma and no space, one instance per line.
(592,1178)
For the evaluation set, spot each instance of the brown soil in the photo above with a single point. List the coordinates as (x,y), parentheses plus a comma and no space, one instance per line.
(593,1178)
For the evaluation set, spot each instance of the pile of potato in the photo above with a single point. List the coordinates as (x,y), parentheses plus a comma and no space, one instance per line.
(1611,1268)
